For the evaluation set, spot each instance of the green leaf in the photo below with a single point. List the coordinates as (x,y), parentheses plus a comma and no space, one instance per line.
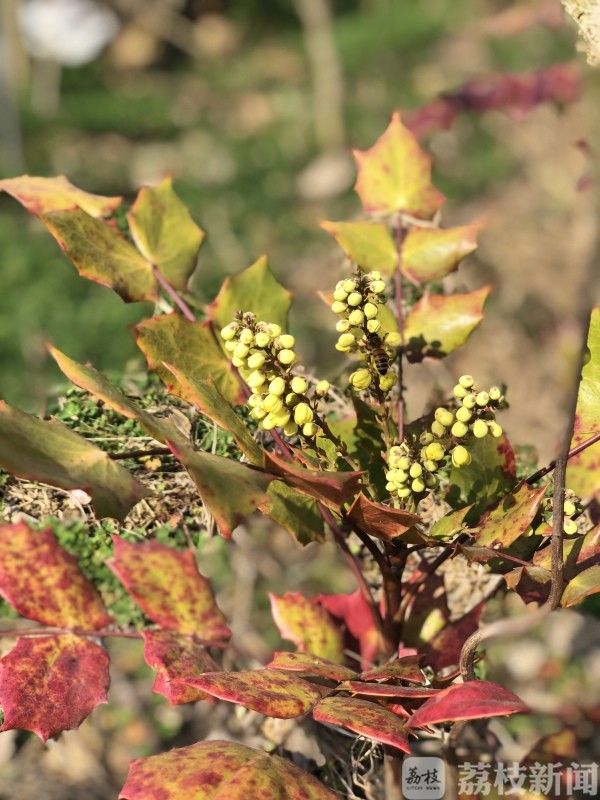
(429,254)
(439,324)
(164,232)
(294,511)
(583,470)
(51,453)
(368,244)
(254,289)
(191,349)
(308,625)
(42,195)
(582,585)
(102,254)
(510,518)
(490,475)
(395,175)
(450,524)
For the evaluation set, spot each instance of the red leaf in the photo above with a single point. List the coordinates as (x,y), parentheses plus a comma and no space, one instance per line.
(383,691)
(472,700)
(268,691)
(310,665)
(307,624)
(166,583)
(43,582)
(365,718)
(354,612)
(384,522)
(405,668)
(50,684)
(444,649)
(219,770)
(174,657)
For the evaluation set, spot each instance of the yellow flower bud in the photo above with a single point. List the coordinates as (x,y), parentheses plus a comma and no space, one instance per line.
(463,414)
(460,391)
(342,325)
(299,385)
(354,299)
(277,386)
(370,310)
(338,307)
(482,399)
(262,339)
(570,527)
(349,285)
(340,294)
(290,428)
(303,413)
(285,341)
(273,330)
(469,400)
(361,379)
(426,438)
(466,381)
(438,429)
(495,394)
(373,325)
(309,429)
(415,471)
(404,492)
(461,456)
(241,350)
(444,416)
(377,287)
(272,403)
(229,331)
(387,381)
(430,466)
(286,356)
(418,485)
(480,429)
(322,388)
(238,362)
(356,318)
(292,399)
(281,418)
(459,429)
(256,379)
(393,339)
(230,345)
(375,275)
(435,451)
(255,401)
(268,423)
(346,340)
(258,413)
(495,429)
(256,360)
(246,336)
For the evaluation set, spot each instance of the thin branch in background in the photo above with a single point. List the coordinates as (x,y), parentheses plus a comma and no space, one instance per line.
(400,319)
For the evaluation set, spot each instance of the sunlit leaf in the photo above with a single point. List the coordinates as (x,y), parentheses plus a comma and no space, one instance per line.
(254,289)
(164,232)
(449,525)
(368,244)
(384,522)
(42,195)
(582,585)
(50,684)
(269,691)
(405,668)
(583,470)
(490,475)
(307,624)
(510,518)
(311,665)
(102,254)
(429,254)
(191,349)
(174,656)
(220,770)
(43,582)
(354,613)
(472,700)
(52,453)
(364,718)
(395,175)
(294,511)
(438,324)
(385,691)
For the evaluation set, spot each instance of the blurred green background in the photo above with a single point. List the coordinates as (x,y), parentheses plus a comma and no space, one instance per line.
(253,108)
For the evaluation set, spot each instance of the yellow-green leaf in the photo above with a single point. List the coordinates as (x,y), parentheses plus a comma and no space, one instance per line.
(42,195)
(368,244)
(429,254)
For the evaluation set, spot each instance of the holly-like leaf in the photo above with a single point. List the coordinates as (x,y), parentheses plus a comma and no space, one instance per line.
(472,700)
(510,518)
(353,612)
(490,475)
(210,402)
(219,770)
(395,175)
(311,665)
(330,488)
(307,624)
(164,232)
(583,470)
(254,289)
(385,691)
(42,195)
(102,254)
(429,254)
(166,583)
(43,582)
(582,585)
(384,522)
(294,511)
(368,244)
(449,525)
(175,656)
(231,491)
(405,668)
(50,684)
(52,453)
(438,324)
(365,718)
(191,349)
(269,691)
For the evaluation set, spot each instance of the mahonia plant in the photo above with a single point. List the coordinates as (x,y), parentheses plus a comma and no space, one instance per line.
(387,661)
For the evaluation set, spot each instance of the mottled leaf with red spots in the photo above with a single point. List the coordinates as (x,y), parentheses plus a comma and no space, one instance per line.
(364,718)
(50,684)
(220,770)
(510,518)
(472,700)
(385,691)
(166,583)
(307,624)
(313,666)
(41,195)
(405,668)
(43,582)
(383,522)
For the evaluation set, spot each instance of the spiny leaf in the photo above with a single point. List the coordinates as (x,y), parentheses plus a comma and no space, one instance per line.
(311,665)
(43,582)
(294,511)
(42,195)
(510,518)
(582,585)
(368,244)
(50,684)
(219,770)
(307,624)
(190,348)
(395,175)
(254,289)
(472,700)
(175,656)
(439,324)
(164,232)
(429,254)
(384,522)
(102,254)
(583,470)
(51,453)
(268,691)
(450,524)
(365,718)
(166,583)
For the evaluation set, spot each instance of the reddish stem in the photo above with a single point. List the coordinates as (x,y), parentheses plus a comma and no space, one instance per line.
(181,304)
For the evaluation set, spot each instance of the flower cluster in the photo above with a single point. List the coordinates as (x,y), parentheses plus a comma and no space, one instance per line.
(412,465)
(265,357)
(357,302)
